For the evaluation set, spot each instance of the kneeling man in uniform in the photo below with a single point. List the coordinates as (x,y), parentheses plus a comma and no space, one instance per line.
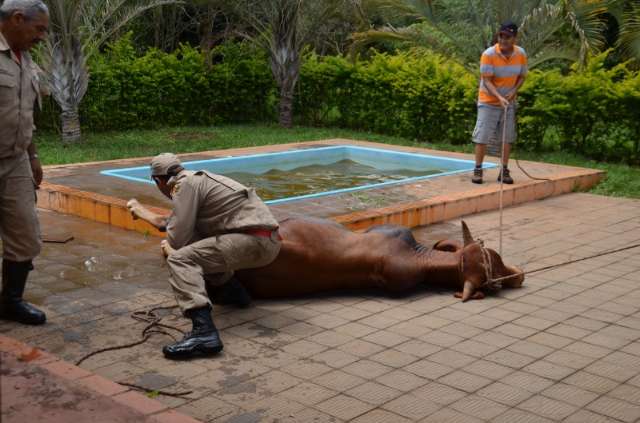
(216,226)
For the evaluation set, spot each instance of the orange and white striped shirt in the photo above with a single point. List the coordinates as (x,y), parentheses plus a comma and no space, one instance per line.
(503,72)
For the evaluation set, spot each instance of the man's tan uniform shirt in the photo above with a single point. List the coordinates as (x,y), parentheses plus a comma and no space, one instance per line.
(206,205)
(19,93)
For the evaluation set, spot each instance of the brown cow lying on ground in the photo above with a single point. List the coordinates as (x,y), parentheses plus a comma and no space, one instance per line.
(320,255)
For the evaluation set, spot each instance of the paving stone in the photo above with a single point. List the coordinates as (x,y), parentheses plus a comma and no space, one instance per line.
(627,393)
(360,348)
(418,348)
(475,348)
(585,416)
(488,369)
(567,359)
(334,358)
(412,407)
(616,408)
(380,416)
(549,370)
(515,331)
(442,339)
(570,394)
(374,393)
(367,369)
(527,381)
(393,358)
(439,393)
(303,348)
(495,339)
(385,338)
(338,380)
(547,407)
(530,348)
(509,359)
(428,369)
(588,350)
(519,416)
(448,415)
(591,382)
(609,370)
(355,329)
(344,407)
(504,394)
(401,380)
(465,381)
(451,358)
(308,393)
(480,407)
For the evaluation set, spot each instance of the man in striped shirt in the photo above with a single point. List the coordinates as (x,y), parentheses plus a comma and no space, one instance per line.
(503,68)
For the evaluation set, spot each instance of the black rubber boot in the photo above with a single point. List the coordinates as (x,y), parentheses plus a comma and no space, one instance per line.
(12,306)
(203,340)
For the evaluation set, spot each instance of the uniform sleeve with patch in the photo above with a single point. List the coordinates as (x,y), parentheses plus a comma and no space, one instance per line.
(182,222)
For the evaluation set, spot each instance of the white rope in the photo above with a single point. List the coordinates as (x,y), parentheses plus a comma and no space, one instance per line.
(504,138)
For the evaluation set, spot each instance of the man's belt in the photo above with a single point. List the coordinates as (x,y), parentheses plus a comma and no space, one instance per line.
(265,233)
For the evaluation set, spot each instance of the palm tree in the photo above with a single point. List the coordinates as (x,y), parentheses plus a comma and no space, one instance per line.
(283,28)
(627,16)
(78,29)
(549,30)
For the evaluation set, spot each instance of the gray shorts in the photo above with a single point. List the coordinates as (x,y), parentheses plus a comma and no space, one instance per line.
(489,125)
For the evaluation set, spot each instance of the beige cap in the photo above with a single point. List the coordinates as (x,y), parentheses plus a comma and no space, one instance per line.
(162,163)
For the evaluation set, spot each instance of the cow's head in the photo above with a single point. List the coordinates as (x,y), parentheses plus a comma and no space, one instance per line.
(481,266)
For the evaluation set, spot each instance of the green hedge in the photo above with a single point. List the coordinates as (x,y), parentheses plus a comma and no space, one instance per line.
(594,111)
(127,90)
(420,97)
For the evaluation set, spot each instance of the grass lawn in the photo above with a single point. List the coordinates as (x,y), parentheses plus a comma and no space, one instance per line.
(622,180)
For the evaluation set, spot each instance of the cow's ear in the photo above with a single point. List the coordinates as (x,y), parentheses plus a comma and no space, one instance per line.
(466,234)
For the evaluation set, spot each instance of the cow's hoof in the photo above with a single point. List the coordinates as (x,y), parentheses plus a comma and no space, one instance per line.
(478,295)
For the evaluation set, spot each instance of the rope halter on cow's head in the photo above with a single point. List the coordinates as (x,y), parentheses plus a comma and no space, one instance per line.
(474,290)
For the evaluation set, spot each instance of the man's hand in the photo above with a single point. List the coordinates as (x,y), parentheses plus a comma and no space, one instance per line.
(134,207)
(36,169)
(166,249)
(504,102)
(511,95)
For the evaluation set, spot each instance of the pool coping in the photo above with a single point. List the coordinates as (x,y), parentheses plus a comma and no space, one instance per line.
(113,211)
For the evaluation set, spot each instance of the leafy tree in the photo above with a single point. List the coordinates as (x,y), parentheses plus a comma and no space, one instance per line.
(549,30)
(78,29)
(283,28)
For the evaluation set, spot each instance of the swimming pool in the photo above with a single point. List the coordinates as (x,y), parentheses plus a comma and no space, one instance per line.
(307,173)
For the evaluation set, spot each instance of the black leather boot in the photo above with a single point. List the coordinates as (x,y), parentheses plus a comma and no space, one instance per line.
(12,306)
(203,340)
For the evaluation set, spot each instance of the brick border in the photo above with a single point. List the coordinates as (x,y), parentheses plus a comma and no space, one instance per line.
(155,410)
(113,211)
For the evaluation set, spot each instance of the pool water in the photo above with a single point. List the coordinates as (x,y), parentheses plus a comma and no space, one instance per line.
(313,172)
(316,178)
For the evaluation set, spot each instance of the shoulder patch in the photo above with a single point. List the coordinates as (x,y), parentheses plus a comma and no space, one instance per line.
(175,189)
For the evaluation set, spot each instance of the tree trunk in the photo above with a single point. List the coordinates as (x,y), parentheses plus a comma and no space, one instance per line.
(285,107)
(70,126)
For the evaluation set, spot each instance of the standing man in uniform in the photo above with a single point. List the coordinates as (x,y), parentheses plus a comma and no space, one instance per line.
(503,69)
(217,226)
(23,24)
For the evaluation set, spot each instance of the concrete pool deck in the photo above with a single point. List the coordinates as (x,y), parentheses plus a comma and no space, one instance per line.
(80,190)
(566,347)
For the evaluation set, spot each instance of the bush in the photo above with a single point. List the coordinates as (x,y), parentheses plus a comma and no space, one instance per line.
(129,91)
(420,97)
(593,111)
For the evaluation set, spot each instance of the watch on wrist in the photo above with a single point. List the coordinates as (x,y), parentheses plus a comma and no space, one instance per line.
(33,156)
